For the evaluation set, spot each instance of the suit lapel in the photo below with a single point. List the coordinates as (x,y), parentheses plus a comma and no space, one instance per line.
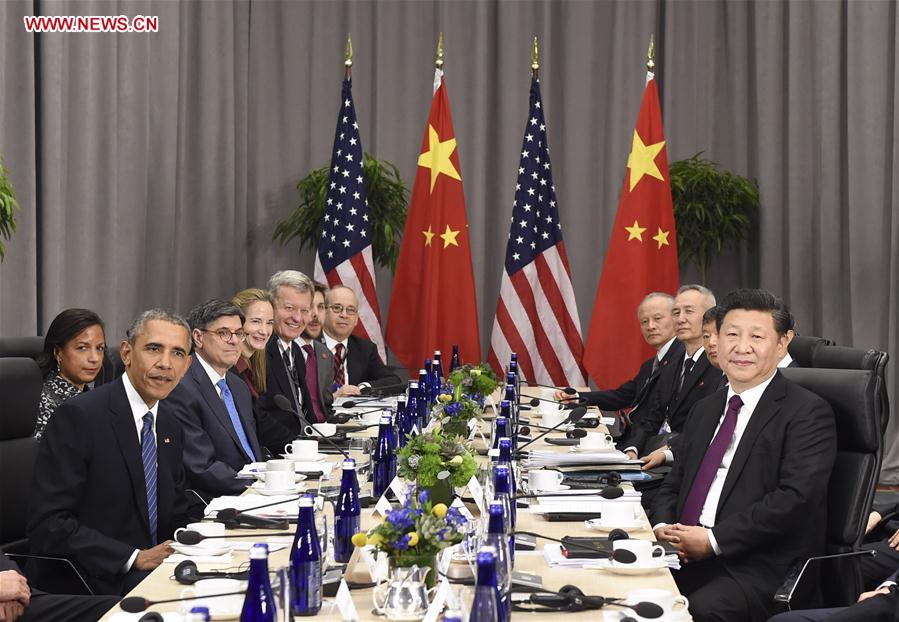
(126,437)
(167,462)
(700,437)
(767,408)
(281,373)
(694,377)
(213,401)
(245,412)
(325,364)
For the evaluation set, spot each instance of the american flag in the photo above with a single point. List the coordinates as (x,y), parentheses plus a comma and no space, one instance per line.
(536,315)
(344,251)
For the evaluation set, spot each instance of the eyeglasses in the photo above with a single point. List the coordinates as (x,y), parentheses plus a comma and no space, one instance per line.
(338,309)
(226,335)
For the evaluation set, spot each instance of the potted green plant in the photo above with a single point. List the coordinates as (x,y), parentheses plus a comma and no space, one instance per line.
(438,463)
(387,205)
(415,533)
(8,208)
(713,208)
(475,381)
(454,411)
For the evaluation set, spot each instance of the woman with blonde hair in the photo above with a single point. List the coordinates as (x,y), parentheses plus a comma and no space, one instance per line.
(259,322)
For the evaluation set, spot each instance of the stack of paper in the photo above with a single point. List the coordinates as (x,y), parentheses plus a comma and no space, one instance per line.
(539,459)
(324,467)
(552,553)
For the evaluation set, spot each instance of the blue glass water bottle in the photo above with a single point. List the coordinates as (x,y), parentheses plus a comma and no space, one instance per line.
(412,412)
(505,410)
(383,459)
(500,430)
(486,604)
(306,563)
(498,537)
(347,521)
(259,602)
(512,398)
(424,399)
(502,492)
(505,458)
(403,422)
(438,365)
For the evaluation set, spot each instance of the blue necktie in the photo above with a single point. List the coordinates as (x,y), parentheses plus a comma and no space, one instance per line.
(148,453)
(235,418)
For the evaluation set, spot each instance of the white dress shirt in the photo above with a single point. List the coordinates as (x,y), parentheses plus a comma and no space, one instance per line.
(785,361)
(214,377)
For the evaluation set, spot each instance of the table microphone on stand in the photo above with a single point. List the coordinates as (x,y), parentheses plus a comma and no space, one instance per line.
(573,417)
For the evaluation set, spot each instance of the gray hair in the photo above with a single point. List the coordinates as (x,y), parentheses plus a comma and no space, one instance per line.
(140,323)
(664,296)
(705,291)
(289,278)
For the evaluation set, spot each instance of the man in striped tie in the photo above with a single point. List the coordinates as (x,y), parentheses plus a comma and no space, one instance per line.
(108,487)
(748,492)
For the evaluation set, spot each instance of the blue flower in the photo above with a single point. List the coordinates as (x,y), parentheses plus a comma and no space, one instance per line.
(423,497)
(401,518)
(454,517)
(403,543)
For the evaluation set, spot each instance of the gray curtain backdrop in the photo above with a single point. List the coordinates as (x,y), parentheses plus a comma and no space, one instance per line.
(152,168)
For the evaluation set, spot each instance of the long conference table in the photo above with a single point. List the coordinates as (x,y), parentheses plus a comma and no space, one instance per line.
(161,585)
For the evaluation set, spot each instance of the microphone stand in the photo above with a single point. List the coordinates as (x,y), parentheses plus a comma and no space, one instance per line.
(284,404)
(573,417)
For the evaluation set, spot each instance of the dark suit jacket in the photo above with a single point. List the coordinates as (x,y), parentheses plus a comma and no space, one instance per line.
(773,507)
(278,427)
(638,390)
(672,404)
(89,500)
(364,364)
(325,366)
(212,451)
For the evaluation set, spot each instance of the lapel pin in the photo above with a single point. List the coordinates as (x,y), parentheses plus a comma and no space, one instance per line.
(166,440)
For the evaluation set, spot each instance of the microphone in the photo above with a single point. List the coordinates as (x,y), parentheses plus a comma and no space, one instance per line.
(383,390)
(622,556)
(230,514)
(136,604)
(191,537)
(354,403)
(579,401)
(573,417)
(284,404)
(566,390)
(186,573)
(606,492)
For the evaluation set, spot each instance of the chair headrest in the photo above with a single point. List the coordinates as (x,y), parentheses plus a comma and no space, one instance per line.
(803,347)
(838,357)
(20,386)
(28,347)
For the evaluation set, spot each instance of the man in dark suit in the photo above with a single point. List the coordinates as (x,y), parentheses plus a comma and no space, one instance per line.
(109,478)
(357,363)
(19,602)
(657,325)
(214,405)
(682,383)
(291,293)
(748,492)
(310,342)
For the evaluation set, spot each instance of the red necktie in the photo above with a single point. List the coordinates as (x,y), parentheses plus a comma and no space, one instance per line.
(312,383)
(339,378)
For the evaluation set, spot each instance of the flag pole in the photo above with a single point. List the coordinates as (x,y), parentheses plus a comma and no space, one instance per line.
(348,57)
(535,60)
(438,61)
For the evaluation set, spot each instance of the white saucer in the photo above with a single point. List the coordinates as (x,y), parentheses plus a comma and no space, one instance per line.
(195,549)
(313,458)
(549,491)
(260,476)
(262,490)
(215,612)
(629,569)
(599,525)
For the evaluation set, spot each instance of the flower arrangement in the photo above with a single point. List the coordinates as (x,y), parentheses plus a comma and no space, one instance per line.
(434,457)
(475,381)
(454,411)
(416,531)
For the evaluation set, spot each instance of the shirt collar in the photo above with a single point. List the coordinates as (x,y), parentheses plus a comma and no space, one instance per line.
(213,375)
(751,396)
(785,361)
(664,349)
(332,343)
(696,354)
(139,407)
(284,346)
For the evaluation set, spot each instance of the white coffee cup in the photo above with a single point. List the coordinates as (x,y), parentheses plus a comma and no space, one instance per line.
(663,598)
(279,465)
(643,550)
(220,605)
(205,529)
(618,513)
(554,417)
(279,480)
(325,429)
(597,440)
(544,479)
(302,449)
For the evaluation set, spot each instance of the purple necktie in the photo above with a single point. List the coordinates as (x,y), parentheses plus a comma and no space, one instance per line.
(710,463)
(312,383)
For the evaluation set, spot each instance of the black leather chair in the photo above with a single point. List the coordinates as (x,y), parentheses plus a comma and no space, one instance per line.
(803,348)
(20,386)
(21,347)
(853,396)
(837,357)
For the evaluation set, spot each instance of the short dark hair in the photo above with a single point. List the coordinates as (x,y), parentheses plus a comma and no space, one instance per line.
(320,288)
(65,327)
(757,300)
(209,311)
(711,315)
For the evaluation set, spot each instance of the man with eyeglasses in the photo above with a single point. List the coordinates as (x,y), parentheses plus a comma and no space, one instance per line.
(357,363)
(214,405)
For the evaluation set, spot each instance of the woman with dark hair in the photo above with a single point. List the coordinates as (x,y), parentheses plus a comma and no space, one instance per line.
(74,347)
(256,306)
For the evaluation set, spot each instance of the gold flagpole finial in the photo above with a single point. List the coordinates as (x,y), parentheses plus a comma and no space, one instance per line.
(651,55)
(348,55)
(438,62)
(535,58)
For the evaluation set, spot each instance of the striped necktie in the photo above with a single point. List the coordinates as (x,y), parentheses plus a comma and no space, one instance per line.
(148,454)
(339,378)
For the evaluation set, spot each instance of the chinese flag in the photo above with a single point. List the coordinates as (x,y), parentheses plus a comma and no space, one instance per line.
(642,255)
(433,303)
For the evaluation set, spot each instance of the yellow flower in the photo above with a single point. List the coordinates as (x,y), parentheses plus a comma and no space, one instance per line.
(413,539)
(360,539)
(456,460)
(439,510)
(445,398)
(475,372)
(375,539)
